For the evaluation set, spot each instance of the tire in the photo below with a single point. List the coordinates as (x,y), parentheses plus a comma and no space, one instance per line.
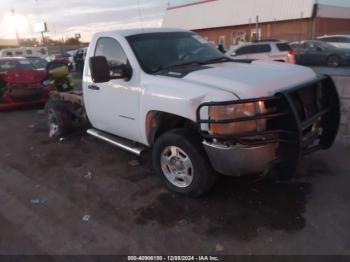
(59,120)
(333,61)
(172,152)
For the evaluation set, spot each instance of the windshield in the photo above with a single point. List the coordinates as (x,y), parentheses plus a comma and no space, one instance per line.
(8,65)
(38,62)
(156,51)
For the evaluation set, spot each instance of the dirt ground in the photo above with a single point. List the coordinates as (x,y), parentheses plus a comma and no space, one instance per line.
(82,196)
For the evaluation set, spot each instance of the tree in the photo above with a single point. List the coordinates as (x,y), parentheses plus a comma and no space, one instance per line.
(72,41)
(29,42)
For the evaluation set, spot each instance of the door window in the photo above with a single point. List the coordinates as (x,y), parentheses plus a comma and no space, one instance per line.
(261,49)
(283,47)
(114,53)
(312,45)
(253,49)
(244,50)
(304,46)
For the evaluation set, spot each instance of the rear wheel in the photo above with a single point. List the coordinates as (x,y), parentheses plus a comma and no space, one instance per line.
(333,61)
(180,160)
(59,120)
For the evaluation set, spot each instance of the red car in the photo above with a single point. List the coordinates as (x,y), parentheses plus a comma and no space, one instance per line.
(21,84)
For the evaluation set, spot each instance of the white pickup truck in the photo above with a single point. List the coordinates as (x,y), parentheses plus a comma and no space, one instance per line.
(200,111)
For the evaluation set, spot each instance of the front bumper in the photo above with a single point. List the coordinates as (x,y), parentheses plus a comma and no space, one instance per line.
(10,100)
(240,160)
(305,119)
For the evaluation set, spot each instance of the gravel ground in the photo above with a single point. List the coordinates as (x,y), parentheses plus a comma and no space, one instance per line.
(81,196)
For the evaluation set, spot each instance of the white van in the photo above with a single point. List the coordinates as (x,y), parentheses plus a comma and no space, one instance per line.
(24,52)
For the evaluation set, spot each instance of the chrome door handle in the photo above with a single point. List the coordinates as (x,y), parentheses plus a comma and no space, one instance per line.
(93,87)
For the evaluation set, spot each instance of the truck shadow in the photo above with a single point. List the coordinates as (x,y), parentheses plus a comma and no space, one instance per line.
(237,207)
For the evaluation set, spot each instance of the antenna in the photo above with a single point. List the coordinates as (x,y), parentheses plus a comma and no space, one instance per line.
(140,14)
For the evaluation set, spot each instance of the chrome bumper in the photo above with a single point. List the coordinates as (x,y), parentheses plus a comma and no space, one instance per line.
(241,160)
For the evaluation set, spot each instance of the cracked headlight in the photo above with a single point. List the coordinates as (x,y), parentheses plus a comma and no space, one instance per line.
(236,112)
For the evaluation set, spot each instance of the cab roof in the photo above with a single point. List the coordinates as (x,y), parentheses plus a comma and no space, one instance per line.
(138,31)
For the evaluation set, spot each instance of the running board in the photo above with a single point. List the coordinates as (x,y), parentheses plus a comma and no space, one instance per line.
(117,141)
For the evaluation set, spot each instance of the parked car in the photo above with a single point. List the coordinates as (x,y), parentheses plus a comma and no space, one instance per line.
(21,84)
(71,54)
(263,50)
(79,59)
(340,41)
(202,112)
(320,53)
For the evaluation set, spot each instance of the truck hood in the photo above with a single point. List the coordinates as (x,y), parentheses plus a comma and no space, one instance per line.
(250,80)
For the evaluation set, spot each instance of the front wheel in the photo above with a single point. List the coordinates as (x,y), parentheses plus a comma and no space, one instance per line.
(333,61)
(180,160)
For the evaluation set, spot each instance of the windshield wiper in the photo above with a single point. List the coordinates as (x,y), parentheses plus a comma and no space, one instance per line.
(217,60)
(163,68)
(211,61)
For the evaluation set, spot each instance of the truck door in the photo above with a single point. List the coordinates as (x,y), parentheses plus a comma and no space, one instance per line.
(314,55)
(113,106)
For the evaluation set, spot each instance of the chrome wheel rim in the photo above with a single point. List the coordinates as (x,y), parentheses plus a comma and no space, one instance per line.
(177,166)
(53,126)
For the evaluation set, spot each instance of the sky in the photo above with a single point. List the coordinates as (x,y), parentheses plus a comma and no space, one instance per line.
(65,18)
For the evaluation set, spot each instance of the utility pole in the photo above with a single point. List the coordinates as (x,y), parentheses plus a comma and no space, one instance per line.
(250,29)
(301,26)
(14,17)
(257,35)
(314,18)
(43,37)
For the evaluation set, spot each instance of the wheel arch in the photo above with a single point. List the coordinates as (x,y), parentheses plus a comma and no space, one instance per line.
(159,122)
(334,55)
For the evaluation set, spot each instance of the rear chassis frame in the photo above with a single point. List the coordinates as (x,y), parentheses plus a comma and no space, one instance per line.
(73,103)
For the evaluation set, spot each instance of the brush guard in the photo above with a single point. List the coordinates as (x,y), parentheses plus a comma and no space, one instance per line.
(305,119)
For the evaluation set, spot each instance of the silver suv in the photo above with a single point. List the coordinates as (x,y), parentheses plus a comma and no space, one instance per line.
(263,50)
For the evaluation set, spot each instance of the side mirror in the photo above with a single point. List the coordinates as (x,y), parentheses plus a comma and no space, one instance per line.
(99,69)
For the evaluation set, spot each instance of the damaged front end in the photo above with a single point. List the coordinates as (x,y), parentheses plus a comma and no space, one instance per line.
(271,132)
(23,88)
